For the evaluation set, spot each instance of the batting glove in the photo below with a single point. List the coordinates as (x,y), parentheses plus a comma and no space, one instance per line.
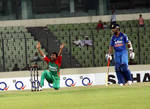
(108,56)
(131,54)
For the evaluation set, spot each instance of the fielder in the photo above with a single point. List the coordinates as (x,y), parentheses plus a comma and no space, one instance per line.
(118,42)
(53,74)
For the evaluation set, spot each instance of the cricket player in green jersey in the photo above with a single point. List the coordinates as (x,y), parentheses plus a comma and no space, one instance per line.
(54,62)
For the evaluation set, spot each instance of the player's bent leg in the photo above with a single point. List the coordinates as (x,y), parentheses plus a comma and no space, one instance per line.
(43,76)
(56,83)
(117,68)
(49,80)
(124,67)
(49,77)
(56,88)
(127,73)
(120,77)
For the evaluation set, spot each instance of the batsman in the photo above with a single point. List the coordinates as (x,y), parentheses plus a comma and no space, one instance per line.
(118,42)
(54,62)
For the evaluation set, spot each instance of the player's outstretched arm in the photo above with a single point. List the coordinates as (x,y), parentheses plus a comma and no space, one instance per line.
(61,49)
(38,46)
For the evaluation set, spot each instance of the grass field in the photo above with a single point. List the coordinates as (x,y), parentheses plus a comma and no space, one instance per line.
(136,96)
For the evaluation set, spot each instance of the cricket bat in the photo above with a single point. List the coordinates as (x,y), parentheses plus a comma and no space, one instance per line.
(107,73)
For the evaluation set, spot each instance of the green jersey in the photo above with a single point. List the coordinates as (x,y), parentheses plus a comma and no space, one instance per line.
(54,66)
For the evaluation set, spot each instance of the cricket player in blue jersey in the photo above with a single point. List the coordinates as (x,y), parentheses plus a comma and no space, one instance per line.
(118,42)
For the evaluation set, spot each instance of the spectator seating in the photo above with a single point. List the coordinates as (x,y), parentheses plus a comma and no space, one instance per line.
(19,47)
(139,37)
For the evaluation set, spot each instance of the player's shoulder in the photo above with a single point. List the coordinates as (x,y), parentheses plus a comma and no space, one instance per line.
(124,34)
(113,37)
(59,57)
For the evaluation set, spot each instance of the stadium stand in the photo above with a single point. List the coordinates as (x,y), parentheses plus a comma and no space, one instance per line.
(50,43)
(18,47)
(18,43)
(101,41)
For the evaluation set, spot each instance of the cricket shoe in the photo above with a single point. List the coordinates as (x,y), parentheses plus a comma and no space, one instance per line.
(129,82)
(121,84)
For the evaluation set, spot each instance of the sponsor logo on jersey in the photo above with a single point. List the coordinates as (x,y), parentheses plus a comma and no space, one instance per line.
(118,43)
(51,68)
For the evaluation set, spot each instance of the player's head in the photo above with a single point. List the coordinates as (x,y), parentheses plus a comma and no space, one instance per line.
(53,56)
(36,54)
(113,11)
(115,29)
(140,15)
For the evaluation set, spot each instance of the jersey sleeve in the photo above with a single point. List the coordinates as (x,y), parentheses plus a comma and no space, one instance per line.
(46,59)
(126,38)
(59,60)
(112,42)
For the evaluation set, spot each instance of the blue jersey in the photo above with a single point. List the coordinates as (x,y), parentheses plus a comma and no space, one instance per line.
(119,43)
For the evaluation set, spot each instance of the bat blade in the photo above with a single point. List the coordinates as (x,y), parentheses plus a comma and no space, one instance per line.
(107,73)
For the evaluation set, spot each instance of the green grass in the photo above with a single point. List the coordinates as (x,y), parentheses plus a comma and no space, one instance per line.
(136,96)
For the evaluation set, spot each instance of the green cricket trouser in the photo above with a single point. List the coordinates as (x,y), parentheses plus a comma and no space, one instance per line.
(50,78)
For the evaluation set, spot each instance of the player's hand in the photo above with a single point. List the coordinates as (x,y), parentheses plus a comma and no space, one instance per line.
(131,54)
(131,49)
(62,46)
(108,57)
(38,45)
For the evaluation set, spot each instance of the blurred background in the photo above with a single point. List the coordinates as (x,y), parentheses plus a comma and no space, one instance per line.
(32,9)
(86,42)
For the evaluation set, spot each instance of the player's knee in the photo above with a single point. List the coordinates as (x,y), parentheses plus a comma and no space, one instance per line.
(56,88)
(124,67)
(44,72)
